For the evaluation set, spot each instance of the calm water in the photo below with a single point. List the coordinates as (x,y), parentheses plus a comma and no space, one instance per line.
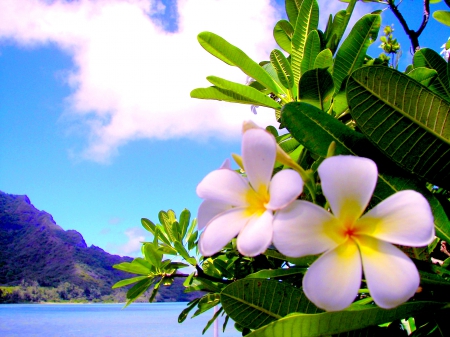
(103,320)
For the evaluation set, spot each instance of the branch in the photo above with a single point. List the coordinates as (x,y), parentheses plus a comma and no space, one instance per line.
(201,273)
(413,35)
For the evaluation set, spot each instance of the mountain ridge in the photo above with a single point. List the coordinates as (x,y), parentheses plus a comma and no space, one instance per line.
(36,249)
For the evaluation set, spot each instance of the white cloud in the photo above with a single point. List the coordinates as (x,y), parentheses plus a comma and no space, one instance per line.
(133,246)
(131,78)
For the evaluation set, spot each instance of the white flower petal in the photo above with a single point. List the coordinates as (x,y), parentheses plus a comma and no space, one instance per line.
(404,218)
(392,278)
(348,183)
(284,188)
(221,230)
(302,229)
(333,280)
(224,185)
(209,209)
(256,236)
(258,155)
(226,165)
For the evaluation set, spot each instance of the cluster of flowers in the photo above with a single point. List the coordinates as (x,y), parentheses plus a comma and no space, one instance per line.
(262,210)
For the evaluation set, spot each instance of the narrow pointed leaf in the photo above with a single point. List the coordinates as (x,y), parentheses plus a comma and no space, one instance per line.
(155,290)
(184,314)
(282,33)
(312,50)
(184,253)
(232,55)
(328,323)
(245,91)
(220,94)
(185,217)
(283,68)
(316,87)
(309,12)
(253,303)
(405,120)
(138,289)
(128,281)
(211,321)
(324,60)
(430,59)
(350,55)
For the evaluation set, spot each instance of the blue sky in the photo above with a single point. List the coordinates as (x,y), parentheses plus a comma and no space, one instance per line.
(96,123)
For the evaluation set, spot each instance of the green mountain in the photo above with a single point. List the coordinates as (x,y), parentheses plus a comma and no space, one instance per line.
(35,250)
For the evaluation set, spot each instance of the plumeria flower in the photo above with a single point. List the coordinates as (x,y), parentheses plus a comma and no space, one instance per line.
(353,242)
(245,206)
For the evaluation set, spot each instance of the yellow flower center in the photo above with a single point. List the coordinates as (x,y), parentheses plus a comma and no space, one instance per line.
(257,200)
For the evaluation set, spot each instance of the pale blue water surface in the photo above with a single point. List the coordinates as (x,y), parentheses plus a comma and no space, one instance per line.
(104,320)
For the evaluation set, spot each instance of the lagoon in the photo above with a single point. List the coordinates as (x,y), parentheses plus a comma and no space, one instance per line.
(104,320)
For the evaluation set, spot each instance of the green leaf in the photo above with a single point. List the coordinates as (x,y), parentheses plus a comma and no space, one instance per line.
(316,130)
(132,267)
(244,91)
(211,321)
(166,249)
(432,279)
(283,68)
(287,143)
(404,119)
(442,17)
(324,60)
(155,290)
(138,289)
(232,55)
(283,32)
(316,87)
(153,254)
(253,303)
(309,12)
(183,252)
(423,75)
(191,240)
(128,281)
(441,221)
(165,220)
(430,59)
(292,9)
(185,217)
(207,302)
(350,55)
(275,273)
(148,225)
(336,29)
(327,323)
(219,94)
(312,50)
(184,314)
